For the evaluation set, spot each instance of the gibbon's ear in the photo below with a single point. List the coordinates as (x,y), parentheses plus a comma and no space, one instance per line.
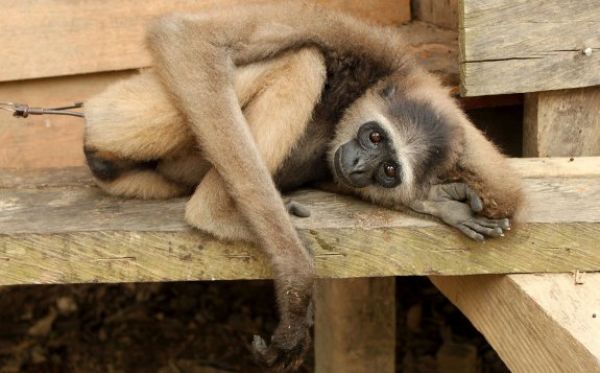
(388,90)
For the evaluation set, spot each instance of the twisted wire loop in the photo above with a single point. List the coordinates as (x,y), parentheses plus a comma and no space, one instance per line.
(24,110)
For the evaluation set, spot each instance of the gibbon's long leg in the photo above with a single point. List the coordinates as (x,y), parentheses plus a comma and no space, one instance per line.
(277,115)
(134,122)
(129,127)
(195,57)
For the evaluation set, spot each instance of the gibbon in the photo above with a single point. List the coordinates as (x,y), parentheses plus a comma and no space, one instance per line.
(244,103)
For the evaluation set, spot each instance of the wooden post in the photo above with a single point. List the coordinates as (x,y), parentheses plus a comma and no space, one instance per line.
(355,325)
(562,123)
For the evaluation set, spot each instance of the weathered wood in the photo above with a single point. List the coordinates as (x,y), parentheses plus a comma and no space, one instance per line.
(92,36)
(77,234)
(562,123)
(355,325)
(47,141)
(536,324)
(512,46)
(443,13)
(552,167)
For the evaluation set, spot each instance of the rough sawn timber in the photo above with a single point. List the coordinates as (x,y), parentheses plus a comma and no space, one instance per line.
(509,46)
(75,233)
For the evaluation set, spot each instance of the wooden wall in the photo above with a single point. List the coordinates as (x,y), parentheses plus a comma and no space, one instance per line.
(510,46)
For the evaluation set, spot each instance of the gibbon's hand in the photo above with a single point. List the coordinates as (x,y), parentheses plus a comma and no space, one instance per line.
(457,205)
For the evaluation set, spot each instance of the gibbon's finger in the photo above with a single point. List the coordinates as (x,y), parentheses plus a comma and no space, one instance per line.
(297,209)
(470,232)
(503,224)
(491,232)
(462,192)
(473,198)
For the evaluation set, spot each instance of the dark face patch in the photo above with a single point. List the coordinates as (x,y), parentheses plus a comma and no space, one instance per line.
(367,159)
(425,129)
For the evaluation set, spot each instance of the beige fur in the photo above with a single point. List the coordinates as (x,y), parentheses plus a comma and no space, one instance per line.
(236,90)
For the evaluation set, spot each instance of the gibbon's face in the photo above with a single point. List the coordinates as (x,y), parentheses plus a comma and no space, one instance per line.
(386,145)
(368,158)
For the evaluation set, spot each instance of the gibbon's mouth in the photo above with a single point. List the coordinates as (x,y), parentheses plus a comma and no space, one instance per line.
(338,171)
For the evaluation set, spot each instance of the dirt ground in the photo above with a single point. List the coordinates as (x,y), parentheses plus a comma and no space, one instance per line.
(201,327)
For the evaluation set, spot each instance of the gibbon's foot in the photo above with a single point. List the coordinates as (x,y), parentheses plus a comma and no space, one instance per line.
(287,350)
(297,209)
(457,205)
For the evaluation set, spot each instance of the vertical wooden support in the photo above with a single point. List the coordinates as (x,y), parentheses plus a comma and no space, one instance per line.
(355,325)
(562,123)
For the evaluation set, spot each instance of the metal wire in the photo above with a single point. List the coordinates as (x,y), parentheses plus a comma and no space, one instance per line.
(24,110)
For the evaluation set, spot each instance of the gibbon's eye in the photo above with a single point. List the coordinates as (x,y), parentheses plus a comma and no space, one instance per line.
(389,170)
(375,137)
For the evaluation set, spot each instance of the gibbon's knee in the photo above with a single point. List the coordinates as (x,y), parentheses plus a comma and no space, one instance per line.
(135,119)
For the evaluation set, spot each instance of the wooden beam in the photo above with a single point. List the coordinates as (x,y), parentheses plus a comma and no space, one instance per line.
(545,324)
(563,123)
(512,46)
(76,37)
(63,234)
(355,326)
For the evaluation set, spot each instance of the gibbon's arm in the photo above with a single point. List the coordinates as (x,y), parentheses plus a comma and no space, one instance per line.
(195,57)
(491,189)
(281,94)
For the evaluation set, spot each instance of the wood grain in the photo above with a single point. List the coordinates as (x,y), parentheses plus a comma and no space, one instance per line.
(554,167)
(562,123)
(355,325)
(524,46)
(537,324)
(65,234)
(76,37)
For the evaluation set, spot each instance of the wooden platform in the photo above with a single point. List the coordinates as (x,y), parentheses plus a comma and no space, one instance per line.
(56,227)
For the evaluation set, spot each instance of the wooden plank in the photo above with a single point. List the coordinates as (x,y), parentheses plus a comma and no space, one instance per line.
(53,142)
(78,234)
(512,46)
(546,132)
(355,325)
(47,141)
(76,37)
(536,324)
(443,13)
(552,167)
